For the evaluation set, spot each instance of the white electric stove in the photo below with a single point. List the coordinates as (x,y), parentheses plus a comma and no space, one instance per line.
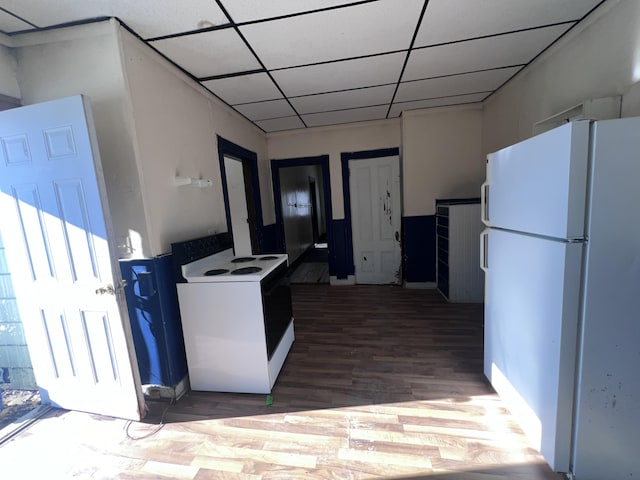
(236,318)
(225,267)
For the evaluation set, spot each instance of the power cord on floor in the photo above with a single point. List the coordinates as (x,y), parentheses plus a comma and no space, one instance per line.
(153,432)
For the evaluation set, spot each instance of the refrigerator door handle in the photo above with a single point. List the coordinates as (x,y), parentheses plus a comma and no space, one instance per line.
(484,246)
(484,202)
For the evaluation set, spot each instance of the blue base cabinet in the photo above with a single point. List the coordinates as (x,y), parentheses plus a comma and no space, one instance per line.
(152,302)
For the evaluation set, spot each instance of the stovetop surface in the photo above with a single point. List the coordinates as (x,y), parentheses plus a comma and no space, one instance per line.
(221,267)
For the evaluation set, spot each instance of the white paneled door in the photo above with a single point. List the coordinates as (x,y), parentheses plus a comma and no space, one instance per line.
(375,219)
(56,229)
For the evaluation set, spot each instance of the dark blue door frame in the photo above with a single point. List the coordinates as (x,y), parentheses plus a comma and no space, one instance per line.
(276,165)
(249,159)
(346,193)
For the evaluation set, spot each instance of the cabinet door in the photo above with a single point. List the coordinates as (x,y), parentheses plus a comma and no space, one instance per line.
(466,280)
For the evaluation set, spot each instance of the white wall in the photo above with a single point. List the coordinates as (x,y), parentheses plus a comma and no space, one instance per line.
(85,60)
(333,141)
(153,123)
(8,73)
(598,59)
(441,156)
(176,123)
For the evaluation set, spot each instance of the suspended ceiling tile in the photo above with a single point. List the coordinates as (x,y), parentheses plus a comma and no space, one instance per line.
(209,53)
(481,54)
(9,23)
(346,116)
(266,110)
(154,18)
(247,10)
(278,124)
(48,13)
(148,18)
(397,108)
(329,77)
(345,33)
(244,89)
(451,20)
(454,85)
(361,97)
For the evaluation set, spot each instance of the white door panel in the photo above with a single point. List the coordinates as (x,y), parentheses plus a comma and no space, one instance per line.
(67,283)
(531,318)
(539,185)
(375,219)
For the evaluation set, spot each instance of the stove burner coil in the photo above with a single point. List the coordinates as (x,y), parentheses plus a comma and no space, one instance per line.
(246,270)
(216,271)
(243,259)
(268,257)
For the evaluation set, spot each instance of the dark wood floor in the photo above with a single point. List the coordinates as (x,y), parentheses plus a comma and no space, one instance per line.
(312,267)
(381,382)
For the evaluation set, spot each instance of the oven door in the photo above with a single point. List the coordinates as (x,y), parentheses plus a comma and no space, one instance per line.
(276,301)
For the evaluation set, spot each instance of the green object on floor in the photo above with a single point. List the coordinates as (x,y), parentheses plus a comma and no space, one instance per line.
(269,400)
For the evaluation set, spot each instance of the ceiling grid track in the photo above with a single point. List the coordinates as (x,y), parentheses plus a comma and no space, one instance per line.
(2,9)
(289,65)
(406,58)
(576,22)
(237,29)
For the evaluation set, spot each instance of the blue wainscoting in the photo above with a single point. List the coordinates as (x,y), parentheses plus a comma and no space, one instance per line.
(419,248)
(340,252)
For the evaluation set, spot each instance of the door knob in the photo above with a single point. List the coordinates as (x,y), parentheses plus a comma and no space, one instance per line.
(109,289)
(106,290)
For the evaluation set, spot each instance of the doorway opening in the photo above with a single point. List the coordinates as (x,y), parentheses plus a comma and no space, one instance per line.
(18,389)
(241,190)
(301,188)
(372,213)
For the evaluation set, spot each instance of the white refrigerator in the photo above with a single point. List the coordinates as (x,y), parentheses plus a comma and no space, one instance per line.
(561,256)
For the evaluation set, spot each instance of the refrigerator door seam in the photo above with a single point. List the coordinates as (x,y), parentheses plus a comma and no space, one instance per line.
(542,237)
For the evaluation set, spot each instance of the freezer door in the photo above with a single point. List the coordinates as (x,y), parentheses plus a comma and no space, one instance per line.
(539,186)
(531,318)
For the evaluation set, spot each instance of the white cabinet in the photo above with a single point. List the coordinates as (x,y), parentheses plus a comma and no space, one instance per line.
(458,228)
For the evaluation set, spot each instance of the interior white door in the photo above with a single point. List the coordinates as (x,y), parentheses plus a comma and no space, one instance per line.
(56,229)
(375,219)
(238,206)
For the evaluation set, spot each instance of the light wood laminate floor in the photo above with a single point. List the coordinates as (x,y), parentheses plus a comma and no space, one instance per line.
(381,382)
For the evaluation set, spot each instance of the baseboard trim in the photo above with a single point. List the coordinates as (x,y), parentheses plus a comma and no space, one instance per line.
(419,285)
(350,280)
